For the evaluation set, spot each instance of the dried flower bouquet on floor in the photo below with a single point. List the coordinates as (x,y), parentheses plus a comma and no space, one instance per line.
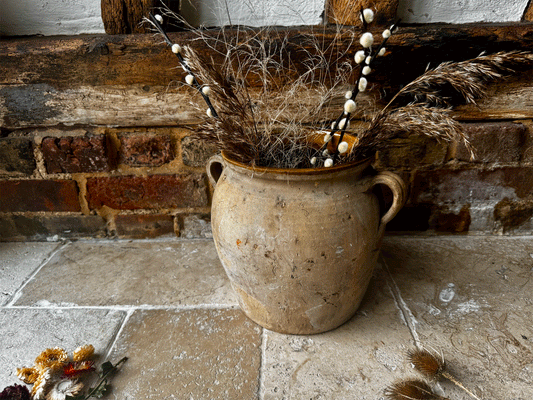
(276,127)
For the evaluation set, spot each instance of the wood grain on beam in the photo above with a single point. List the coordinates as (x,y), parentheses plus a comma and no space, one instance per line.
(131,80)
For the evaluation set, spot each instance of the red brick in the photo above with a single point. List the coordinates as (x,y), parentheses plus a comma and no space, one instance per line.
(472,185)
(39,195)
(16,155)
(77,154)
(494,142)
(150,192)
(146,150)
(144,226)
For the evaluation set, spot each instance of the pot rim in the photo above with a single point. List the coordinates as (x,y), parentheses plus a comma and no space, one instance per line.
(298,171)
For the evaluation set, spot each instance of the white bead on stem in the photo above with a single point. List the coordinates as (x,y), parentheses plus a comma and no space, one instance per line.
(362,84)
(313,161)
(159,18)
(368,15)
(325,153)
(344,123)
(367,60)
(349,106)
(189,79)
(327,138)
(206,90)
(366,40)
(359,56)
(386,34)
(176,48)
(328,163)
(382,51)
(367,70)
(343,147)
(209,113)
(348,94)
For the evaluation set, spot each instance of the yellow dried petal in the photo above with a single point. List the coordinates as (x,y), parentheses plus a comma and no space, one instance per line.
(83,353)
(50,356)
(27,375)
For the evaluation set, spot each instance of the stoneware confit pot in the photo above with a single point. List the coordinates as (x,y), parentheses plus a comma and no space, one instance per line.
(299,245)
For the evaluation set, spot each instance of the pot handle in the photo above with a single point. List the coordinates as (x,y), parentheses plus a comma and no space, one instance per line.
(399,192)
(214,168)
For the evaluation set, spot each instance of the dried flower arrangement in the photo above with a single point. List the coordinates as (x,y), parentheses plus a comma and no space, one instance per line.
(55,376)
(274,127)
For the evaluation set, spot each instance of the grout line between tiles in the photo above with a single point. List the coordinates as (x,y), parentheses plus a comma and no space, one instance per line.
(129,307)
(407,314)
(18,292)
(261,378)
(119,332)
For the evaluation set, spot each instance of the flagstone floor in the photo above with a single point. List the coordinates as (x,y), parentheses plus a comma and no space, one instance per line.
(168,306)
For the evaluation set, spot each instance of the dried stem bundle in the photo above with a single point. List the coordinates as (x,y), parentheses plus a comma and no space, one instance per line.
(271,126)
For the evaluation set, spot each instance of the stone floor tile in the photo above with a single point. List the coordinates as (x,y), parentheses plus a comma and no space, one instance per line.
(190,354)
(17,262)
(472,299)
(172,273)
(25,333)
(355,361)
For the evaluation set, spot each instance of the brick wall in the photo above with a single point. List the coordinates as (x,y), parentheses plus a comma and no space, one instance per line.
(91,147)
(102,182)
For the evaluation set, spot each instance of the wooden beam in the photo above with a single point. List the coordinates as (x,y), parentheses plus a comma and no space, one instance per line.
(132,80)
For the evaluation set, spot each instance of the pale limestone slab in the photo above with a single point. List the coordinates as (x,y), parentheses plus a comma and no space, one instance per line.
(355,361)
(17,262)
(190,354)
(25,333)
(168,273)
(472,299)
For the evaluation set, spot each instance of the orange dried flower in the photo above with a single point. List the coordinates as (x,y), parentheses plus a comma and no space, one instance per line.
(51,357)
(83,353)
(73,370)
(28,375)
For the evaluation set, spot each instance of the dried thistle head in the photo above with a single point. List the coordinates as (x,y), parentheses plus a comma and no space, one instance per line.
(427,363)
(412,389)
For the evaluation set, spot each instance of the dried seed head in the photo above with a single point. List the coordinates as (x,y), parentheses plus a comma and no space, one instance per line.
(426,363)
(411,390)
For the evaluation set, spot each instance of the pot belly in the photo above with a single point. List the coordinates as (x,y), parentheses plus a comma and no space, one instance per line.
(299,260)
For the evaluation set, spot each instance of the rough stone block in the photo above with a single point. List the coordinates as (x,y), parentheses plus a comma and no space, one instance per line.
(27,332)
(512,214)
(18,262)
(196,153)
(144,226)
(36,228)
(412,152)
(170,273)
(205,354)
(150,192)
(39,195)
(472,185)
(196,226)
(146,150)
(76,154)
(16,155)
(494,142)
